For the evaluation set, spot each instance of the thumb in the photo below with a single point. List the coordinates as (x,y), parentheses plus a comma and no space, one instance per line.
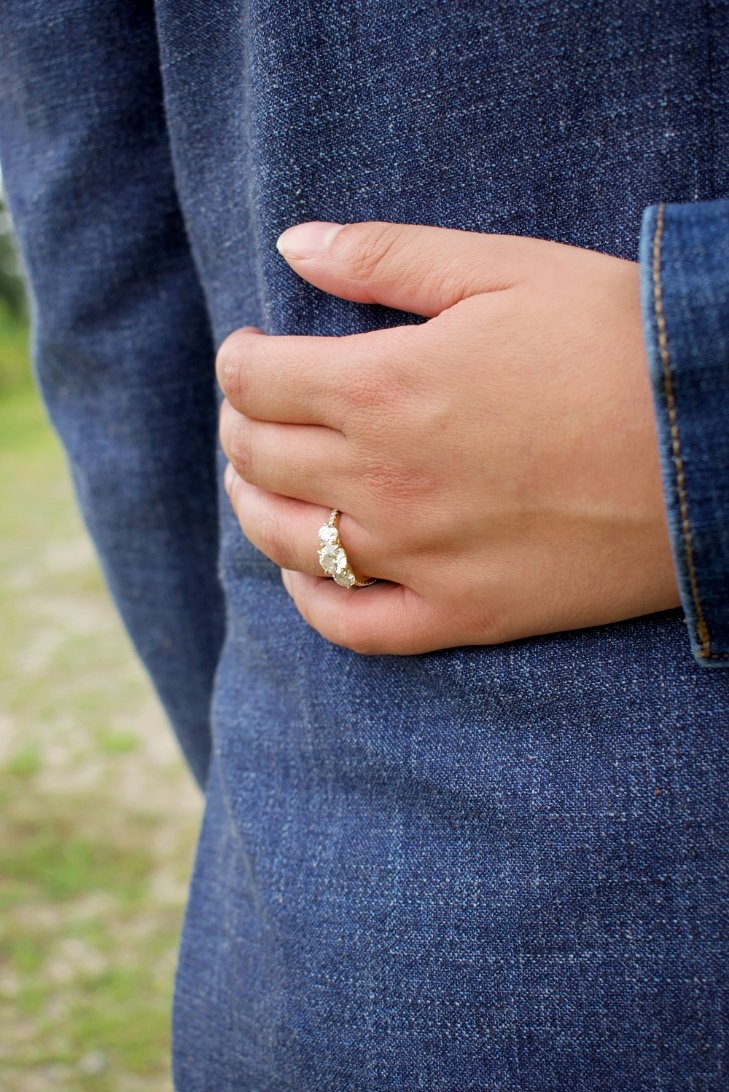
(407,266)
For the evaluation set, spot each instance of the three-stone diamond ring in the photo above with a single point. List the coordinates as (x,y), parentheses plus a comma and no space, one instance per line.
(333,559)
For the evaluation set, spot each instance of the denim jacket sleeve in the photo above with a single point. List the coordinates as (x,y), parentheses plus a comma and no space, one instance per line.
(684,256)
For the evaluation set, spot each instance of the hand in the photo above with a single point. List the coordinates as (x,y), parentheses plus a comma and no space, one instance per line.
(496,467)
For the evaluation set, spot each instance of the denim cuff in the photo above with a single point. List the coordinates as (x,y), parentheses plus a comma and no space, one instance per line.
(684,257)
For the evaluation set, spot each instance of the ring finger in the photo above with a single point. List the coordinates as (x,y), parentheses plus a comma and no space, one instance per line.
(285,530)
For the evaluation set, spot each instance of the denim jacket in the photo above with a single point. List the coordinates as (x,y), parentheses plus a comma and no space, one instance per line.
(684,254)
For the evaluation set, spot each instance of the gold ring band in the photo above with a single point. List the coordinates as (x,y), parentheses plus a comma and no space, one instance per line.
(333,559)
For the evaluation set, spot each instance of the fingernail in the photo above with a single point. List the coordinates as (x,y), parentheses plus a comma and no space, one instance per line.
(286,580)
(307,240)
(228,478)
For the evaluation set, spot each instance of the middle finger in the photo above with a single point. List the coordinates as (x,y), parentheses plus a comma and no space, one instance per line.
(308,462)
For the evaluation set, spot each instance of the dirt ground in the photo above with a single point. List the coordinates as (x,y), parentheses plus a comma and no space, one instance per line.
(98,815)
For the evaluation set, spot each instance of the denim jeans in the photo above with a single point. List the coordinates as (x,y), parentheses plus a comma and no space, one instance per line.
(491,867)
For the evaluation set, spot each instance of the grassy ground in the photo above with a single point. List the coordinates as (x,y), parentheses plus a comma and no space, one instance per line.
(97,814)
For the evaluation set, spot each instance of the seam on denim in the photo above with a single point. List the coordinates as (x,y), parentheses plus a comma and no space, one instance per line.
(711,112)
(702,630)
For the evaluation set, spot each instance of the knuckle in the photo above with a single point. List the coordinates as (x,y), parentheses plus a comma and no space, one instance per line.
(406,488)
(274,541)
(380,371)
(367,247)
(240,450)
(366,392)
(230,366)
(349,631)
(379,379)
(485,624)
(368,645)
(447,283)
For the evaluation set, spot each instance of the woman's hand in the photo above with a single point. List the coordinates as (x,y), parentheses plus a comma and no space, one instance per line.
(497,467)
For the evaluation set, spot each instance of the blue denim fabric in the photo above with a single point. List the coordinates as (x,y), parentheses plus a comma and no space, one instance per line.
(122,341)
(482,868)
(685,282)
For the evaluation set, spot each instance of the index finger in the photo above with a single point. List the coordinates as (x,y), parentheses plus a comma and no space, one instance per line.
(298,379)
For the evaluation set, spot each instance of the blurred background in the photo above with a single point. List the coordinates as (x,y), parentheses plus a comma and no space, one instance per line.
(98,815)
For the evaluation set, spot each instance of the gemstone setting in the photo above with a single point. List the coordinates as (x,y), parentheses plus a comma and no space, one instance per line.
(328,534)
(332,556)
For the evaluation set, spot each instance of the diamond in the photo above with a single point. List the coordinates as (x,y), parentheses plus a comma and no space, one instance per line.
(327,534)
(332,558)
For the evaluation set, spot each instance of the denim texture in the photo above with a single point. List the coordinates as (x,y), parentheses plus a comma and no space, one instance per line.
(122,342)
(481,868)
(685,288)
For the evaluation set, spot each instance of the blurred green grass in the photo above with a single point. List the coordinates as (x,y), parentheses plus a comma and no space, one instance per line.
(14,370)
(97,814)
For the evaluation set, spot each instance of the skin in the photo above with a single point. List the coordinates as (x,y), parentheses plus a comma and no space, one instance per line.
(496,467)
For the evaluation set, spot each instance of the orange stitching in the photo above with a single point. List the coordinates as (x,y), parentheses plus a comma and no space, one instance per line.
(702,630)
